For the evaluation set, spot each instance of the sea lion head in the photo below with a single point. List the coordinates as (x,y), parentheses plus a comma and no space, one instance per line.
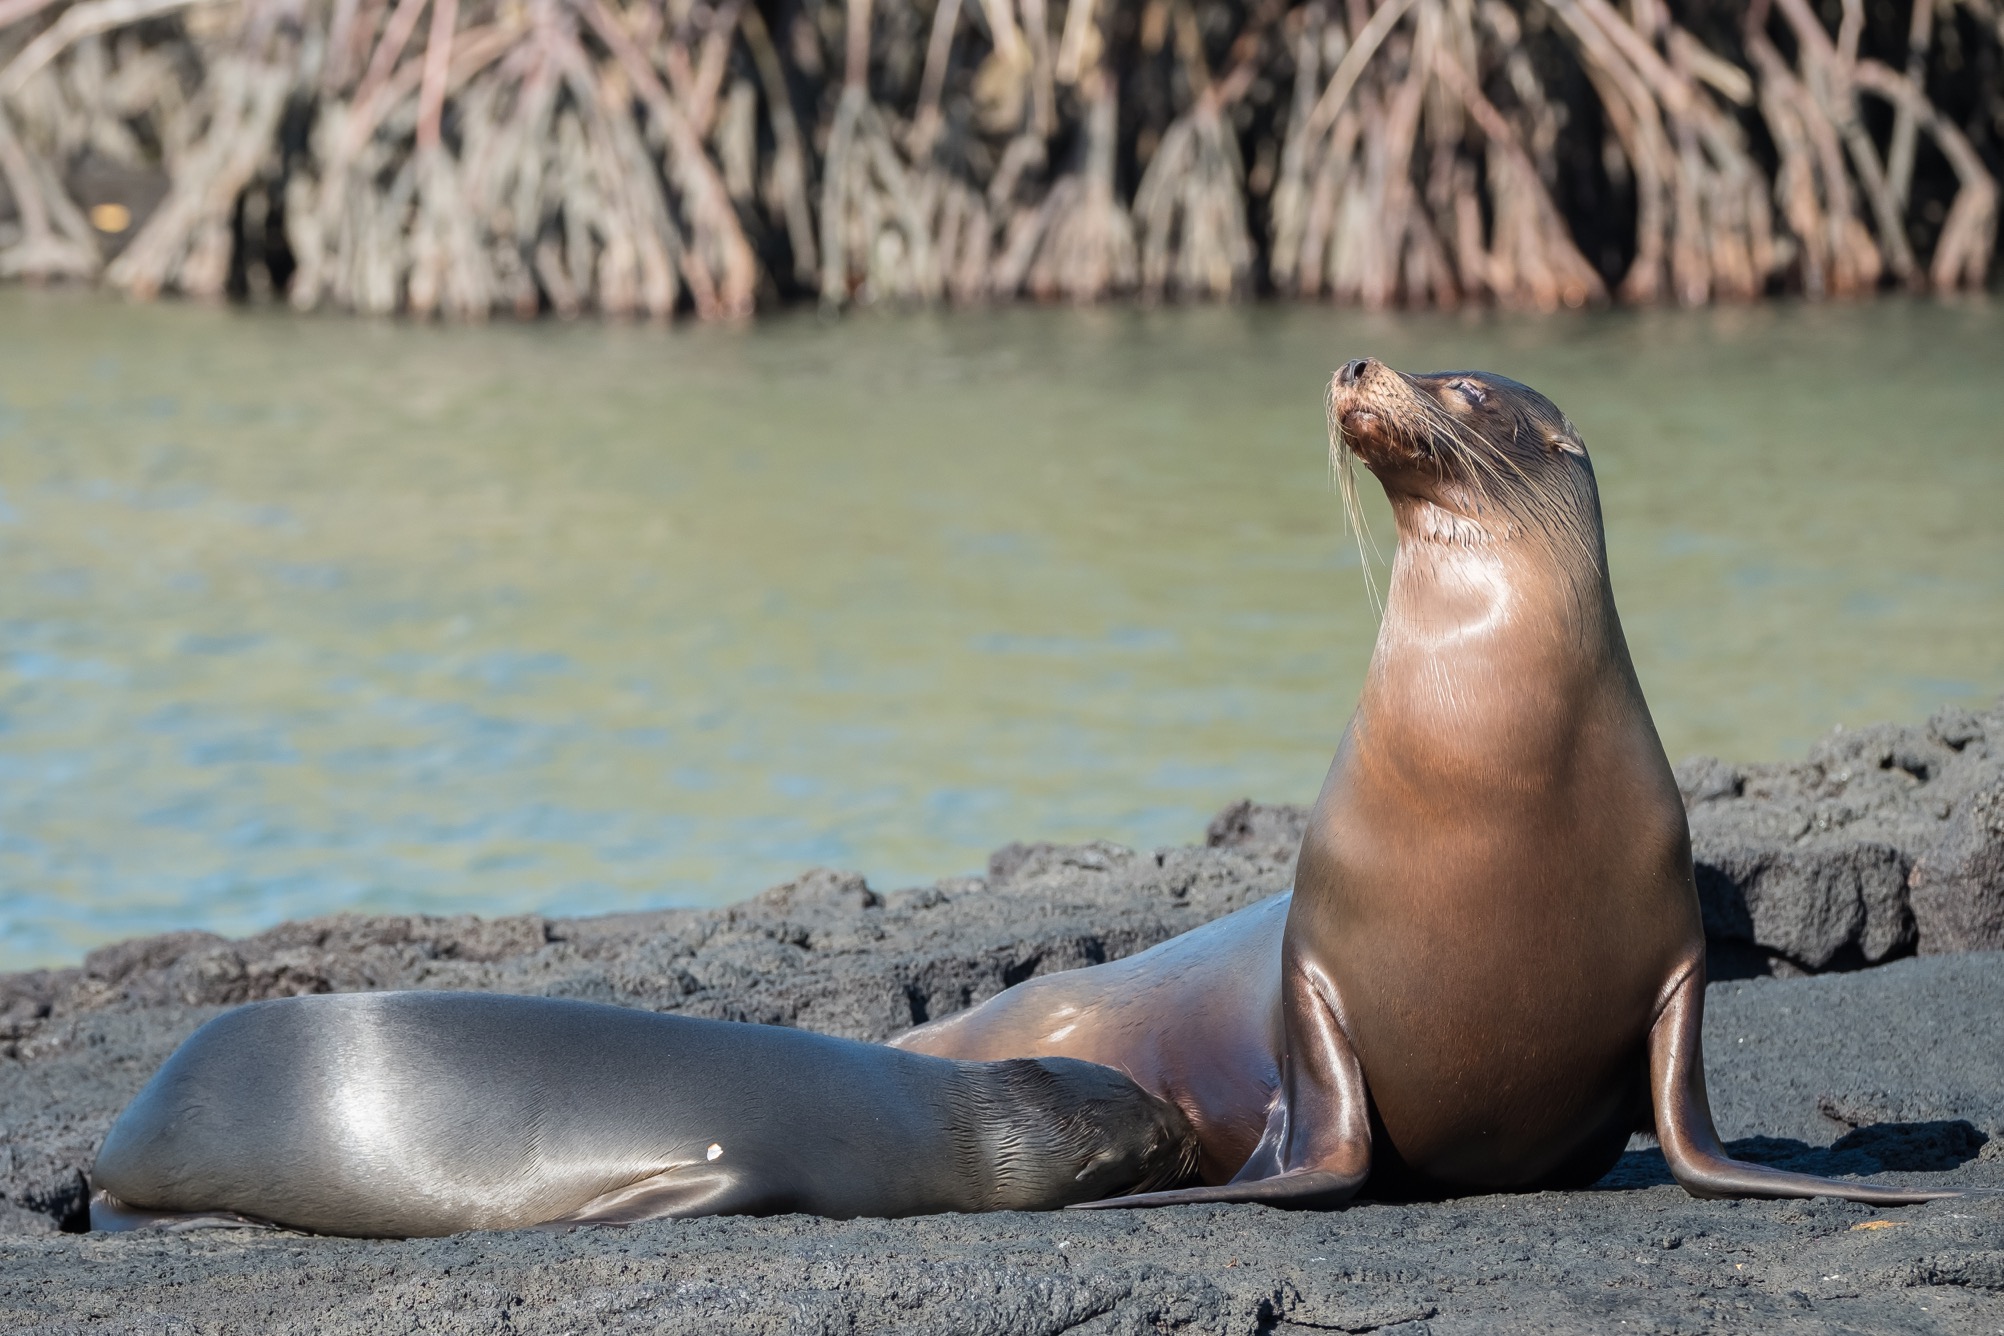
(1469,456)
(1074,1131)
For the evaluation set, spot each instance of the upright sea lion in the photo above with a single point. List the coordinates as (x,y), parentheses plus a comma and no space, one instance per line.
(1491,968)
(408,1114)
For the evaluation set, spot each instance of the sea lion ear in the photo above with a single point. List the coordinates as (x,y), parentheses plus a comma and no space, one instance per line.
(1567,438)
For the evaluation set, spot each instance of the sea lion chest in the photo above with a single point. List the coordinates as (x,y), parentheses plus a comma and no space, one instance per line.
(1498,898)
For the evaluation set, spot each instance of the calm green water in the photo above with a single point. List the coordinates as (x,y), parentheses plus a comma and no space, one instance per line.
(305,615)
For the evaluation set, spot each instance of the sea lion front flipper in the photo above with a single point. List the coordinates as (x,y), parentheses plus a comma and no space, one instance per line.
(1313,1189)
(1315,1152)
(1689,1139)
(679,1192)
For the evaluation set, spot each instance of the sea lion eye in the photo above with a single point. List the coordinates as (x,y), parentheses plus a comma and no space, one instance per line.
(1470,390)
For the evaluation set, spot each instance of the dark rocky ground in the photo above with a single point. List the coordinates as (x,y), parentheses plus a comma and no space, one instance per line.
(1886,842)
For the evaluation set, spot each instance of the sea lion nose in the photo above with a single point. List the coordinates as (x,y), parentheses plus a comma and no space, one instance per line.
(1352,370)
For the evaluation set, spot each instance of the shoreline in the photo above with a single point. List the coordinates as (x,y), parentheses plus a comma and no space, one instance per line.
(1871,848)
(1878,860)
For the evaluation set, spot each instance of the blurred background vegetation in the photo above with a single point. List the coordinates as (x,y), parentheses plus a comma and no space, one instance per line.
(473,157)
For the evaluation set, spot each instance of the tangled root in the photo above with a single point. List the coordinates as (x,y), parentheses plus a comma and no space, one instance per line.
(461,158)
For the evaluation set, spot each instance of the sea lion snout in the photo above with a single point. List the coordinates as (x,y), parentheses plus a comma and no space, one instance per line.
(1368,412)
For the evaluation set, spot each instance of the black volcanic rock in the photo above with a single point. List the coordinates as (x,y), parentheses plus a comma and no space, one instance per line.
(1958,884)
(1882,842)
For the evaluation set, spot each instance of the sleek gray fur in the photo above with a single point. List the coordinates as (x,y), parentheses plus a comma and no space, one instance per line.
(427,1113)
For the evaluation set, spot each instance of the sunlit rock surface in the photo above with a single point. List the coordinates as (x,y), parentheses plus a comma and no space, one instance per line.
(1884,841)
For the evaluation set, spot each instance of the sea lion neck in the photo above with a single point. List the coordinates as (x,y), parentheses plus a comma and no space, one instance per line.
(1449,516)
(1470,578)
(1463,615)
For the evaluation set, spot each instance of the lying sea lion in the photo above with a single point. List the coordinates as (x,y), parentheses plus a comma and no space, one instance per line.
(1491,969)
(396,1115)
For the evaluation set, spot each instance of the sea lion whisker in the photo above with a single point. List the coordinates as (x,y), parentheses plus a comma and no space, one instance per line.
(1471,465)
(1552,503)
(1492,472)
(1342,466)
(1452,437)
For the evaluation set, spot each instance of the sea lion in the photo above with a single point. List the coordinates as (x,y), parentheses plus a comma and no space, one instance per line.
(1491,968)
(396,1115)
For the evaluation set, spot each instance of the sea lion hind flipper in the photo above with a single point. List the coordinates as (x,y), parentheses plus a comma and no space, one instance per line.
(1306,1190)
(1690,1141)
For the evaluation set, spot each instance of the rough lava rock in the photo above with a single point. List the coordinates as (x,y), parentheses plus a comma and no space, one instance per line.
(1884,841)
(1958,884)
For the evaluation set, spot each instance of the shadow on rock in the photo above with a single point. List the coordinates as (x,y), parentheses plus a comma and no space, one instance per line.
(1929,1147)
